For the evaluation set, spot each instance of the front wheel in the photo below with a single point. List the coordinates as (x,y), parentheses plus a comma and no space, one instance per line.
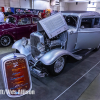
(5,41)
(57,67)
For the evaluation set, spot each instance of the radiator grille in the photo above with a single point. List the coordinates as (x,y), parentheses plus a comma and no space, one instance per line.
(35,52)
(34,40)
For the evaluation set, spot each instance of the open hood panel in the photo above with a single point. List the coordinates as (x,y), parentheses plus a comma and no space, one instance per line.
(53,25)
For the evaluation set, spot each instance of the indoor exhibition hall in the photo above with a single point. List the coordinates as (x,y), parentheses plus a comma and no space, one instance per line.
(50,49)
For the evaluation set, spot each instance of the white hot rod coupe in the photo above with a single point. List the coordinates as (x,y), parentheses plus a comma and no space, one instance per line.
(58,36)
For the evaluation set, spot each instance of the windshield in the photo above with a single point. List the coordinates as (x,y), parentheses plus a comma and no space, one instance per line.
(35,19)
(11,20)
(71,20)
(24,21)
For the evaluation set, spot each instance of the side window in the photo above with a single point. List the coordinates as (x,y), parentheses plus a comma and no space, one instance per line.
(24,21)
(11,20)
(87,23)
(97,23)
(64,16)
(71,20)
(35,19)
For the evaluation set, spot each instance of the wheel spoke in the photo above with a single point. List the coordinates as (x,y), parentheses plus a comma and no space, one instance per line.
(59,64)
(5,40)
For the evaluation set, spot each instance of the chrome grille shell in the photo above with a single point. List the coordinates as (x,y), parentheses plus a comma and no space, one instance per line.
(35,38)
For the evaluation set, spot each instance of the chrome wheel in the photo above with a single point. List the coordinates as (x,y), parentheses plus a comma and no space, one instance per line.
(59,65)
(5,41)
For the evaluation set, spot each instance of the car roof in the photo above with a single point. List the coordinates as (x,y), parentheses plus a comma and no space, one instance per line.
(22,15)
(81,13)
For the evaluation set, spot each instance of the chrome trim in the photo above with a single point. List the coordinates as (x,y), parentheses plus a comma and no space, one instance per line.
(59,65)
(23,50)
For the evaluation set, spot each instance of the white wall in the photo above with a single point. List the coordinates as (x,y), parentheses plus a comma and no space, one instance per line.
(25,3)
(64,6)
(20,3)
(16,3)
(57,7)
(38,4)
(1,3)
(79,7)
(98,7)
(4,3)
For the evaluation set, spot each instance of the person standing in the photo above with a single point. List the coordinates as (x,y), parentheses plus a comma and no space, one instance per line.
(43,14)
(39,14)
(8,12)
(1,16)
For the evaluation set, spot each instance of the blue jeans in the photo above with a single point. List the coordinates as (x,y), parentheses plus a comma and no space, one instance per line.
(1,22)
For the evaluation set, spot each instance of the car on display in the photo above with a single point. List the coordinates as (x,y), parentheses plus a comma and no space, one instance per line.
(57,38)
(16,27)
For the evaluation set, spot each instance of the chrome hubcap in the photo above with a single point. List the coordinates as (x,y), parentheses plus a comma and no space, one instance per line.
(59,64)
(5,40)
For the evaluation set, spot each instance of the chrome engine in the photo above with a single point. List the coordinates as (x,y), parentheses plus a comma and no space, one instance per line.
(40,43)
(36,40)
(51,34)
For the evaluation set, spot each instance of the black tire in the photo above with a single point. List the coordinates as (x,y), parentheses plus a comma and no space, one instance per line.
(52,69)
(5,41)
(17,51)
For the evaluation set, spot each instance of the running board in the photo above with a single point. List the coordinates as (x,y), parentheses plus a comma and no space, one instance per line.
(83,52)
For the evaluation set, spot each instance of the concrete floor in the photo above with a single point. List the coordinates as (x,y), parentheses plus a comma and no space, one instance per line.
(93,91)
(78,81)
(4,50)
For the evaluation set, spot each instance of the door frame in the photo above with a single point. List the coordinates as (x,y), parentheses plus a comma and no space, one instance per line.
(85,31)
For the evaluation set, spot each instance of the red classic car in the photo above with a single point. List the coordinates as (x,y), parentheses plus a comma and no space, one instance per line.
(16,27)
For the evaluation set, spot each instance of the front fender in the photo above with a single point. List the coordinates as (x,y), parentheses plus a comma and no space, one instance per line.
(23,50)
(2,33)
(51,56)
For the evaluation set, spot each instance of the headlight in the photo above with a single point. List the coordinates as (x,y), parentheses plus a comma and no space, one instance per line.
(40,47)
(24,41)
